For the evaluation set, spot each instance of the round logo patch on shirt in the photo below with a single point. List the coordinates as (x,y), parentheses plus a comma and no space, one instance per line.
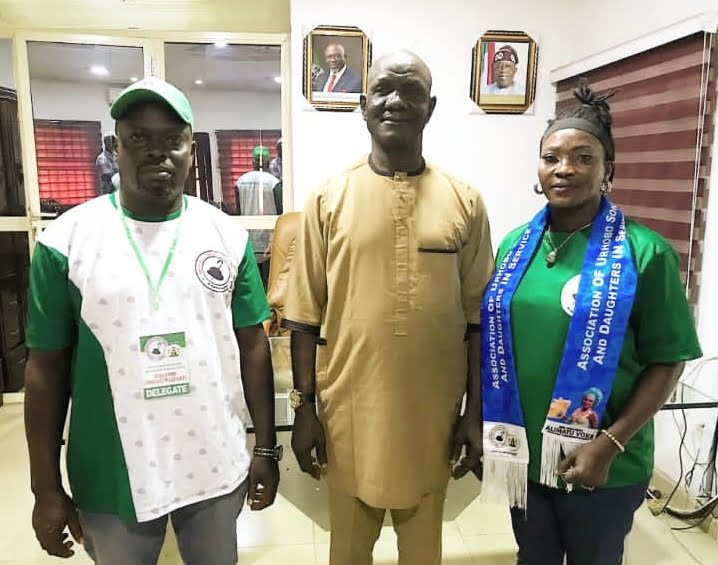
(568,295)
(156,348)
(212,269)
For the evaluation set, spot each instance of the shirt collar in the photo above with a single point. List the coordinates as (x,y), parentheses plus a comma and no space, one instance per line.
(415,173)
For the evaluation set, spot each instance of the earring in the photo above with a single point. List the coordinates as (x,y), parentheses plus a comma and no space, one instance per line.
(606,186)
(537,190)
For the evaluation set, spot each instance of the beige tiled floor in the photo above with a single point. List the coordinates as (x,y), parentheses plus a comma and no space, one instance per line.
(294,530)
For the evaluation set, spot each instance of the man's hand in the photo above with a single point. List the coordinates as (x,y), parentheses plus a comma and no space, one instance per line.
(308,436)
(263,483)
(51,515)
(468,433)
(588,465)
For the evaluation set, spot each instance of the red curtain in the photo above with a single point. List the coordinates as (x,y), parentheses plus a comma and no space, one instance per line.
(235,156)
(66,153)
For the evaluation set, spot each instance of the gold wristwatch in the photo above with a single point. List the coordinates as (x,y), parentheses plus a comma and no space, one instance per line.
(297,398)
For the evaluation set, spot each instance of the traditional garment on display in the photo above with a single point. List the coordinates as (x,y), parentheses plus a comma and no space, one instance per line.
(157,400)
(389,270)
(542,310)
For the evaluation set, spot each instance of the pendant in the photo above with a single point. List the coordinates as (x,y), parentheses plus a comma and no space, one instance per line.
(551,258)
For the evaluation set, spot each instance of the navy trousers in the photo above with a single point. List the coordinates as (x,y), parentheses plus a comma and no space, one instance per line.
(586,528)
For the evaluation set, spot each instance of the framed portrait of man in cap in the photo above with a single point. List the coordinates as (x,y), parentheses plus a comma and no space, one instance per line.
(503,72)
(336,64)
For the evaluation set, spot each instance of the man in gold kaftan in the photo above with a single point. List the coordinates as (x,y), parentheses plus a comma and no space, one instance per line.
(392,259)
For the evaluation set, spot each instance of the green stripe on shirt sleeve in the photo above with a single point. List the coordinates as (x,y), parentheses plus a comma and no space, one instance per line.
(249,301)
(50,321)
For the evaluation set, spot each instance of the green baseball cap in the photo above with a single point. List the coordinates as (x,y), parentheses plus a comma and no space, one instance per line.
(260,152)
(153,89)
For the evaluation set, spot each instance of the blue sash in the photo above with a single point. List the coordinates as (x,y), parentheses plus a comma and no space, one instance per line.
(588,365)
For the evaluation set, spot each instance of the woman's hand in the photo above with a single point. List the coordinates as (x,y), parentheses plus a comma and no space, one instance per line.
(588,466)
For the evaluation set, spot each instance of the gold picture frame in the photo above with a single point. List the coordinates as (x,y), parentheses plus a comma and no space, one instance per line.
(503,72)
(327,83)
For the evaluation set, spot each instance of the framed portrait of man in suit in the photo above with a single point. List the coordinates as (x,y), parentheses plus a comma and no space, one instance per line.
(503,72)
(336,64)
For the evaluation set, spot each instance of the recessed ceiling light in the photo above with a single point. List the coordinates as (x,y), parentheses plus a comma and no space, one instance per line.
(199,82)
(99,70)
(134,79)
(278,79)
(221,43)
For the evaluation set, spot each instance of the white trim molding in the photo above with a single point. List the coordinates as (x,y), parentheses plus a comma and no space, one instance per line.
(707,22)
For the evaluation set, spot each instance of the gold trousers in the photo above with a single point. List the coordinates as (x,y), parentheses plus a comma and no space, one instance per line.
(355,527)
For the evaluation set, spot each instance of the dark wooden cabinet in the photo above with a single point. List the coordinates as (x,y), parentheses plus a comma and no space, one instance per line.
(14,251)
(12,189)
(14,268)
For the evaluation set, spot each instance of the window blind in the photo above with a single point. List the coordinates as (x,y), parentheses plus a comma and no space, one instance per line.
(662,125)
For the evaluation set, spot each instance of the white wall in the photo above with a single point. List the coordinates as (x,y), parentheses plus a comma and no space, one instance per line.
(57,100)
(498,154)
(213,109)
(601,25)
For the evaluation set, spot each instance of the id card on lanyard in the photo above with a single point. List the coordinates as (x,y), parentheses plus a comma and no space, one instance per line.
(165,371)
(164,365)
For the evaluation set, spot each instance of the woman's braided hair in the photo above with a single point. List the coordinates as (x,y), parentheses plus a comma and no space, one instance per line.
(594,108)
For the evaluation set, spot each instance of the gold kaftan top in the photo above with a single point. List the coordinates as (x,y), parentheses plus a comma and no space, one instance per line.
(392,270)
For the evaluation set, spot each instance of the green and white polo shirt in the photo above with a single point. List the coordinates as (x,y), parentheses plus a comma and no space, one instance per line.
(127,455)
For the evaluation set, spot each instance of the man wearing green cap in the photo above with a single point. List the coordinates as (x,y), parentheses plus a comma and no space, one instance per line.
(255,189)
(256,196)
(145,310)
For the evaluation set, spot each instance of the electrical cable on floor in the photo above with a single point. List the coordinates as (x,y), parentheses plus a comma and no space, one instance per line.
(689,379)
(711,488)
(700,512)
(710,508)
(684,528)
(680,463)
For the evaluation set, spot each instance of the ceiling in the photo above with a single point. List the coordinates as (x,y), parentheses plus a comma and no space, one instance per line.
(234,67)
(167,15)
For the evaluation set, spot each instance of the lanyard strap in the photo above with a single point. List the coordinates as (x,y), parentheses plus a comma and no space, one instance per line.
(154,288)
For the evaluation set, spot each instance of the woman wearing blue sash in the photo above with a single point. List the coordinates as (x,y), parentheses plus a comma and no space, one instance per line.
(585,328)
